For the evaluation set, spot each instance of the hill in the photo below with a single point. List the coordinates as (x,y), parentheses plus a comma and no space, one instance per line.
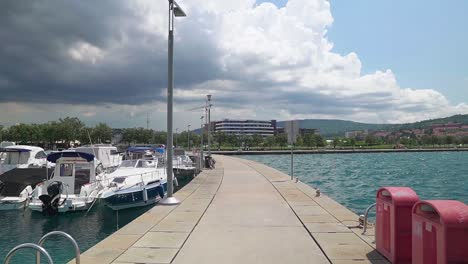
(334,127)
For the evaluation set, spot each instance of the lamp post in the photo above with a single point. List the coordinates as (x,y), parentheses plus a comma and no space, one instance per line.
(188,137)
(201,133)
(201,142)
(174,11)
(176,136)
(208,97)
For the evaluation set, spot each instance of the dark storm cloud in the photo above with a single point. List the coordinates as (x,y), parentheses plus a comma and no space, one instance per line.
(36,66)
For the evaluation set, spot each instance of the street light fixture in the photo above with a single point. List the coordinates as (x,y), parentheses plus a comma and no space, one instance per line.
(174,11)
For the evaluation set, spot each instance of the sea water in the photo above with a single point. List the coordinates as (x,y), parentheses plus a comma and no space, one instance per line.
(23,226)
(353,179)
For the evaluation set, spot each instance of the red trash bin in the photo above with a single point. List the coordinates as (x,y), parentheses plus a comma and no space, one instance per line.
(393,223)
(440,232)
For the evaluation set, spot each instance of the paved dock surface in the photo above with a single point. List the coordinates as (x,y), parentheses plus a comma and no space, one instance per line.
(241,212)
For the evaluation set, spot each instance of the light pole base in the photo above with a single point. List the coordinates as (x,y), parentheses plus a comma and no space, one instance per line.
(169,201)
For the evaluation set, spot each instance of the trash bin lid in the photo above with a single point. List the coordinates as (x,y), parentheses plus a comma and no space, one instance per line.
(450,212)
(398,195)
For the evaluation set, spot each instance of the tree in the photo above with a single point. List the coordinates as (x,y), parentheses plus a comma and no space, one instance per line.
(69,129)
(309,140)
(336,142)
(435,140)
(319,141)
(464,140)
(101,133)
(449,140)
(371,140)
(220,138)
(299,141)
(281,140)
(256,140)
(270,141)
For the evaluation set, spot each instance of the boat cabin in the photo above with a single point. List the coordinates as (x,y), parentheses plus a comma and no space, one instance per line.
(23,155)
(74,169)
(107,154)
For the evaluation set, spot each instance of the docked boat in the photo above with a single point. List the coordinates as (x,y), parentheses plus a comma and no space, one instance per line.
(73,186)
(183,166)
(135,183)
(107,154)
(19,157)
(22,168)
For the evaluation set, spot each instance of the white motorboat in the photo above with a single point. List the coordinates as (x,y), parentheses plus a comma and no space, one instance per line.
(22,168)
(135,183)
(22,157)
(183,166)
(74,185)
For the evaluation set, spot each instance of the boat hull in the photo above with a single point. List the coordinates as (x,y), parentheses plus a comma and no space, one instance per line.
(12,204)
(133,197)
(71,204)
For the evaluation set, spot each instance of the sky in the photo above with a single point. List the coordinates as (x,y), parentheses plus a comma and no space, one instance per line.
(364,60)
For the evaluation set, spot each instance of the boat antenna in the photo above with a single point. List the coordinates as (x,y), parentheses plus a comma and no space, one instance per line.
(90,142)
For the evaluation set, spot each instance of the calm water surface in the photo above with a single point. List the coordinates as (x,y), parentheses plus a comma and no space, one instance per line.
(353,179)
(25,226)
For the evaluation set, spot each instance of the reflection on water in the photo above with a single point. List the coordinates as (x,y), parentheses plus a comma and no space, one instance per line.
(353,179)
(25,226)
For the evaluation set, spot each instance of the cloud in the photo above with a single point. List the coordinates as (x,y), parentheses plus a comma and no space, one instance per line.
(102,60)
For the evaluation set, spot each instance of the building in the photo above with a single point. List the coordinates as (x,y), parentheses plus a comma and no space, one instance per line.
(245,127)
(302,131)
(358,134)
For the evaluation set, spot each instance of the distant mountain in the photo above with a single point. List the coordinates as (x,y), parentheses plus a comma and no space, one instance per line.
(334,127)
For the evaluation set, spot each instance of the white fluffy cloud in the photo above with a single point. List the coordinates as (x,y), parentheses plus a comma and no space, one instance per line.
(258,61)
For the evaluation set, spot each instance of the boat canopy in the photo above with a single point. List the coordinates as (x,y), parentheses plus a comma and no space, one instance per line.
(139,149)
(160,150)
(70,154)
(14,150)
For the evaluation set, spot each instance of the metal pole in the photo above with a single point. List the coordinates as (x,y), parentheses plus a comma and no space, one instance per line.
(201,134)
(188,137)
(170,200)
(292,151)
(209,125)
(176,136)
(292,161)
(201,143)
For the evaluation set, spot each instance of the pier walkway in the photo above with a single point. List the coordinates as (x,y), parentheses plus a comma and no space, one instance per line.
(241,212)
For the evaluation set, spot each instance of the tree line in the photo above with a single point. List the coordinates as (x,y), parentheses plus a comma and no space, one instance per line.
(63,133)
(68,131)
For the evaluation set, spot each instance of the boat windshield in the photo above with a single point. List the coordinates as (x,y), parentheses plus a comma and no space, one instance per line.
(128,163)
(16,157)
(138,163)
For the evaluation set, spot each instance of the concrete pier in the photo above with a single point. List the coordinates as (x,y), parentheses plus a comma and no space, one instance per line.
(241,212)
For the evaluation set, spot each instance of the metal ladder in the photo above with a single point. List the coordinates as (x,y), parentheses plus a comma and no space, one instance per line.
(363,218)
(40,250)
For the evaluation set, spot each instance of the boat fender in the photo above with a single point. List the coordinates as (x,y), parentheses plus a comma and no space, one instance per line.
(145,195)
(176,182)
(160,190)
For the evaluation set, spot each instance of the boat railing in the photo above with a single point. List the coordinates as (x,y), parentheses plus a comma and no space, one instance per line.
(155,175)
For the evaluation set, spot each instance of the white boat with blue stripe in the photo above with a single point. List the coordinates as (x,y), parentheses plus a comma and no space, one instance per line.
(134,183)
